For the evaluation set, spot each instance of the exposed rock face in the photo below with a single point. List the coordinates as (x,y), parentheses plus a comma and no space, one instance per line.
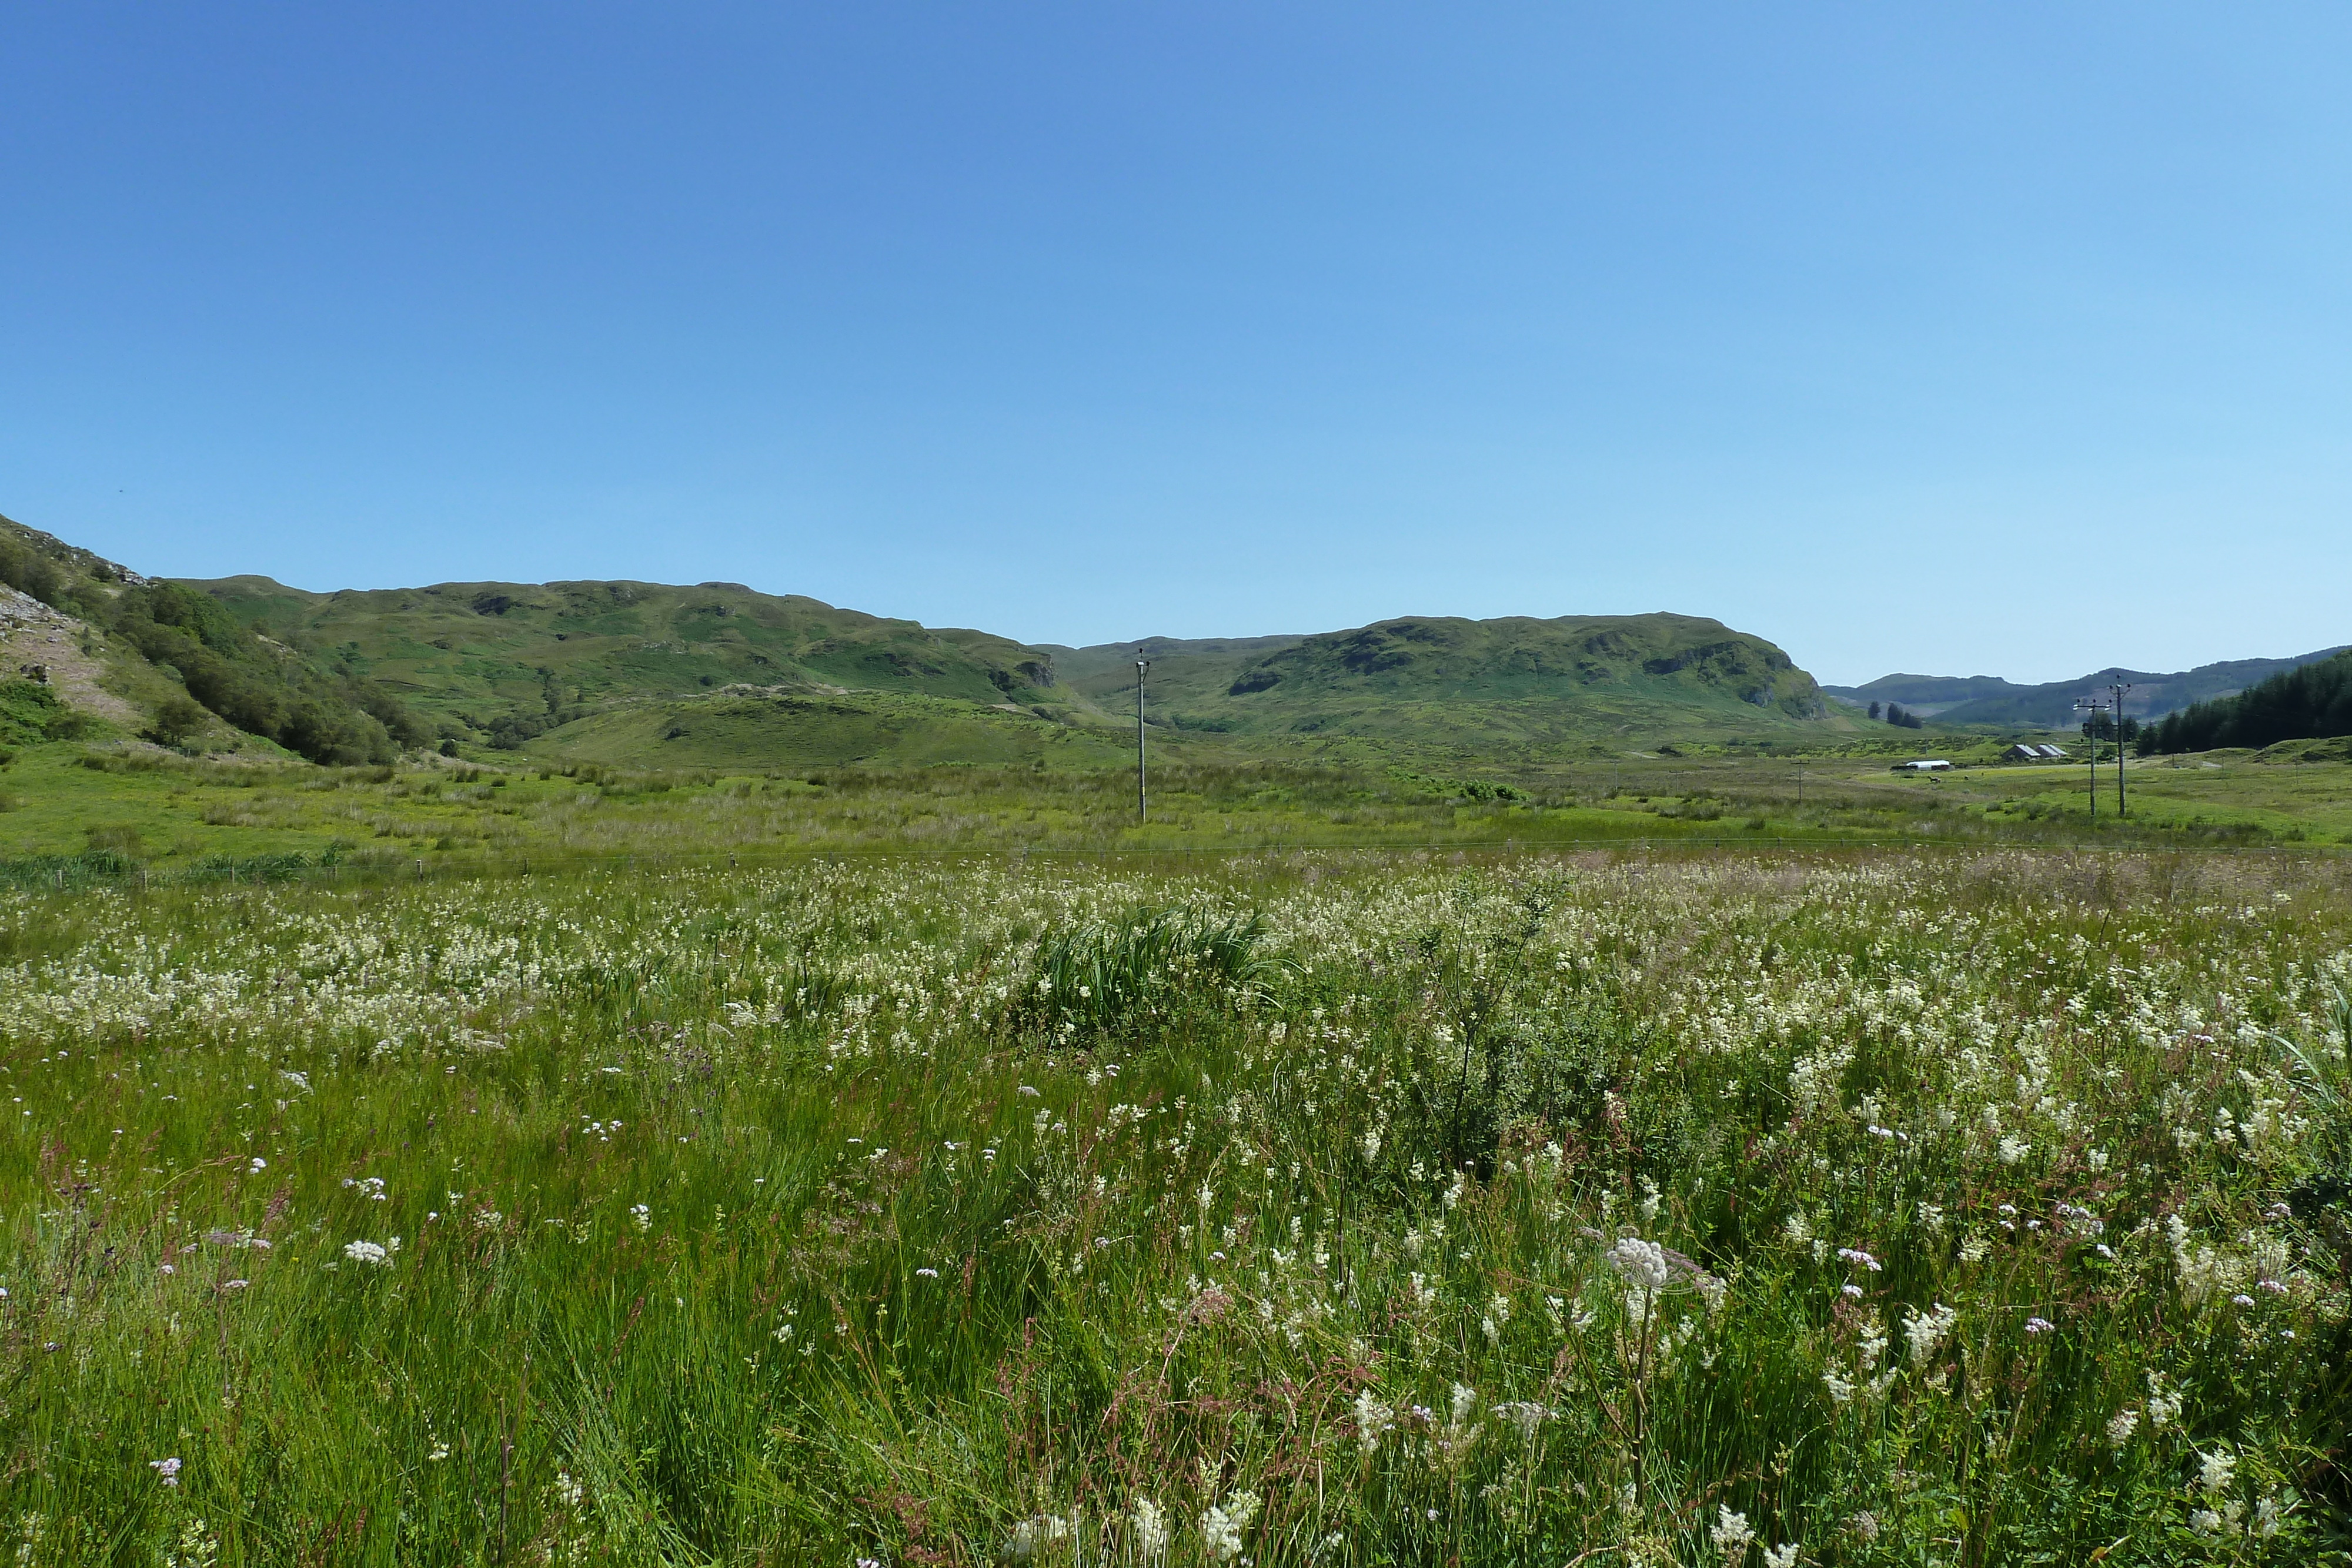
(33,634)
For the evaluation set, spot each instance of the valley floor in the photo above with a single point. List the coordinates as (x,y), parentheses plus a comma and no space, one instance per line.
(171,817)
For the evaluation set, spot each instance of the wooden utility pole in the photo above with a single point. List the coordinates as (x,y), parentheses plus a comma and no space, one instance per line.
(1141,810)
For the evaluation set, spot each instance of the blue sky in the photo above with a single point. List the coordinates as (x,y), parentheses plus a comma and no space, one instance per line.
(1997,339)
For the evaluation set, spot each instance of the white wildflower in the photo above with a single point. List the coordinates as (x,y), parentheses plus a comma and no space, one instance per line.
(1926,1331)
(1642,1263)
(1222,1523)
(1732,1535)
(1151,1534)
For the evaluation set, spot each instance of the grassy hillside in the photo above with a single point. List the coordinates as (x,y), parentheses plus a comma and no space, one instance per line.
(719,675)
(745,728)
(126,654)
(502,663)
(639,672)
(1514,685)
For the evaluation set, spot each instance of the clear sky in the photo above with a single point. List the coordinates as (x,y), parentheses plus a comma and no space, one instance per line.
(2003,339)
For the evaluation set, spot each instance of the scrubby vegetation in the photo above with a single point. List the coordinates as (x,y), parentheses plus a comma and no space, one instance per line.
(208,661)
(1970,1208)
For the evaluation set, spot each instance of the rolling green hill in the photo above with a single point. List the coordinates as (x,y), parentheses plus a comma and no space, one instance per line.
(1514,685)
(503,663)
(720,675)
(615,671)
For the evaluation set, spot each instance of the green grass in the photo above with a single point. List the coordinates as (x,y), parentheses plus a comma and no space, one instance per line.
(171,813)
(787,1217)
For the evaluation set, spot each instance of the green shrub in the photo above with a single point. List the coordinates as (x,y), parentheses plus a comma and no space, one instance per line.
(1105,976)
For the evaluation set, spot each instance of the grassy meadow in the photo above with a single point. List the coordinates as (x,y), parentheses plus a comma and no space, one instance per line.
(1953,1205)
(124,805)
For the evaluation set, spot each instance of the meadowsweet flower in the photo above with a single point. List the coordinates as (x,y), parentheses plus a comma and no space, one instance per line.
(1151,1532)
(2121,1426)
(1926,1331)
(1465,1400)
(1222,1523)
(2163,1408)
(1841,1389)
(1781,1556)
(1731,1534)
(1373,1420)
(2216,1471)
(641,1216)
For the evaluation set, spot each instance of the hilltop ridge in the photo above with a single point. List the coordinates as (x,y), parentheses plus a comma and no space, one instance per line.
(1990,700)
(716,674)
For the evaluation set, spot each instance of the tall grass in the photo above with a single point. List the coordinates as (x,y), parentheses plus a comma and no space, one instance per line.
(1358,1210)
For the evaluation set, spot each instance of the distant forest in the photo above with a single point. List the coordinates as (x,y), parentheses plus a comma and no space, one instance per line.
(2298,705)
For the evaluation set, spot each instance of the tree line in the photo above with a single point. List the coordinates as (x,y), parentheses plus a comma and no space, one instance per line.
(2302,704)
